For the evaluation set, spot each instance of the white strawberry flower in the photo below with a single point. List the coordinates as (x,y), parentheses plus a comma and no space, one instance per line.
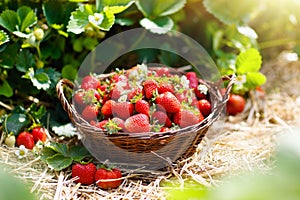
(96,19)
(240,80)
(202,88)
(184,82)
(21,152)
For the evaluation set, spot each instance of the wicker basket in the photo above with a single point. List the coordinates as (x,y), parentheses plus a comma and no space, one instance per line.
(144,151)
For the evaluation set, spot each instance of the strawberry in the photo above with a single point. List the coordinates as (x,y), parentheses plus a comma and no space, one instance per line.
(168,101)
(115,93)
(138,123)
(90,82)
(100,124)
(192,77)
(26,139)
(85,173)
(90,112)
(185,118)
(78,98)
(103,174)
(10,140)
(39,134)
(149,87)
(134,93)
(106,109)
(235,104)
(204,107)
(122,110)
(164,129)
(165,87)
(162,118)
(142,106)
(163,71)
(119,122)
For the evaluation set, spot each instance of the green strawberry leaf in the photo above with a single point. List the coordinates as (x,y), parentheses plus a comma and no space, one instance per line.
(24,60)
(159,25)
(79,19)
(10,20)
(255,79)
(15,122)
(230,12)
(59,162)
(156,8)
(47,152)
(59,148)
(3,37)
(108,21)
(5,89)
(78,153)
(37,112)
(27,17)
(8,56)
(101,4)
(38,78)
(248,61)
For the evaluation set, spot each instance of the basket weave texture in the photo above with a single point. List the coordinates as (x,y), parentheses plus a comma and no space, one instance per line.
(144,151)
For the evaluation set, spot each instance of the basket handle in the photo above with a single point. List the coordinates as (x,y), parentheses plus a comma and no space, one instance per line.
(62,97)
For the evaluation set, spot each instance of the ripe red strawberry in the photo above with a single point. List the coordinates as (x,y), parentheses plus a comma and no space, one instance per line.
(106,109)
(149,87)
(204,107)
(164,129)
(100,124)
(90,82)
(165,87)
(138,123)
(169,102)
(185,118)
(122,109)
(115,93)
(119,122)
(26,139)
(235,104)
(85,173)
(163,71)
(192,77)
(90,112)
(78,98)
(142,106)
(39,134)
(135,92)
(162,118)
(102,175)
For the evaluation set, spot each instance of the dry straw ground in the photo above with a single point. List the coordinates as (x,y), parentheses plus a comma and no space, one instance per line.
(245,142)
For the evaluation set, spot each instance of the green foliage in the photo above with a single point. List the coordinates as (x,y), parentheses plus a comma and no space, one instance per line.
(3,37)
(59,156)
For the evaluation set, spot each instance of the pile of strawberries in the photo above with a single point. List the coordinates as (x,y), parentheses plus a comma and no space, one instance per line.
(142,100)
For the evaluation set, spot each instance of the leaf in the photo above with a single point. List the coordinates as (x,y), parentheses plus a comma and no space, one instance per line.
(47,152)
(159,25)
(15,122)
(27,17)
(229,12)
(8,57)
(255,79)
(5,89)
(78,153)
(3,37)
(9,20)
(79,19)
(108,21)
(59,162)
(24,60)
(248,61)
(124,21)
(101,4)
(37,112)
(156,8)
(59,148)
(57,12)
(39,78)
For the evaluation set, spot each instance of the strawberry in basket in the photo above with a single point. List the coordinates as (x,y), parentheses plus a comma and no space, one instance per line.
(142,99)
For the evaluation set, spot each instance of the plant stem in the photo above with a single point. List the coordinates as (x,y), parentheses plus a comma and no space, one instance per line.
(275,43)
